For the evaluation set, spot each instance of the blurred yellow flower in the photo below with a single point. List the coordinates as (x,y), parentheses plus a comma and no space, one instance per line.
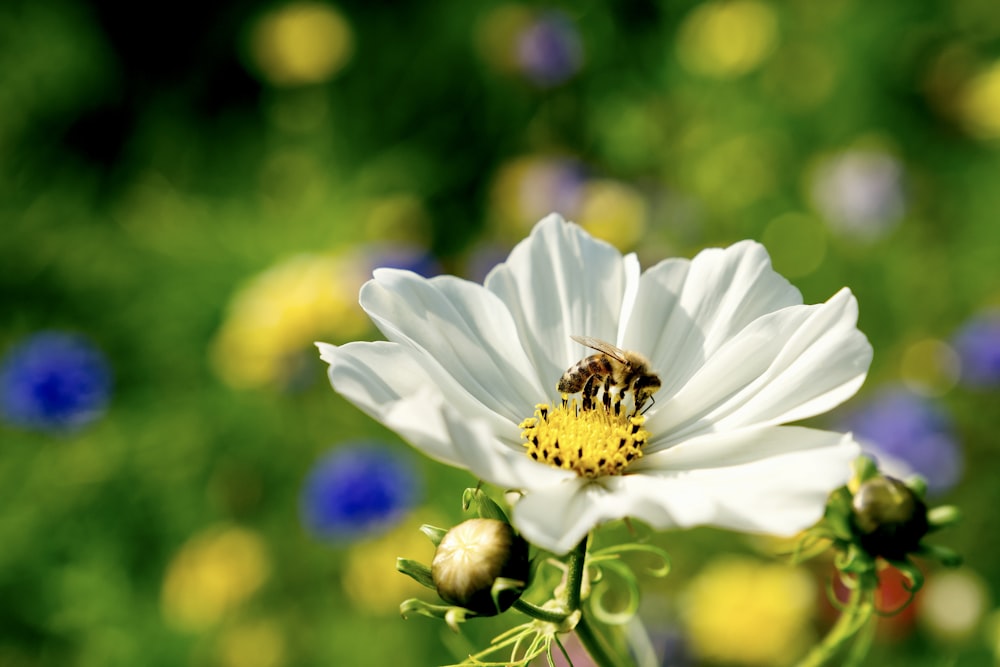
(727,39)
(301,43)
(979,104)
(613,211)
(259,643)
(370,579)
(530,187)
(280,312)
(496,34)
(214,572)
(748,612)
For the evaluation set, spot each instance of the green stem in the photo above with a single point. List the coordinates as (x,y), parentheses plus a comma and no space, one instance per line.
(575,566)
(858,612)
(556,617)
(595,645)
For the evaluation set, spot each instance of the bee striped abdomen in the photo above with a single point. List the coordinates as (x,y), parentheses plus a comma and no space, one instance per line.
(574,379)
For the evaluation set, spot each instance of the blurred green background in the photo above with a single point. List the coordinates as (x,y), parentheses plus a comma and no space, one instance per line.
(199,190)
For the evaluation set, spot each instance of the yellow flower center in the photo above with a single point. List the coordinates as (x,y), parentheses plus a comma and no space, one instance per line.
(594,442)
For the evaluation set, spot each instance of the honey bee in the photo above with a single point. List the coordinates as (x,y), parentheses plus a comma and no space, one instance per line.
(623,369)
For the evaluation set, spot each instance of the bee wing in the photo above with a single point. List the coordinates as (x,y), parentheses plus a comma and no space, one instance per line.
(602,346)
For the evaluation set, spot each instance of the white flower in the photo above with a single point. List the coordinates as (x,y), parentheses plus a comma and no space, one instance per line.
(737,352)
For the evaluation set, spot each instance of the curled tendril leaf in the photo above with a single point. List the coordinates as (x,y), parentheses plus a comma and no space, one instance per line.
(831,596)
(624,615)
(614,552)
(914,577)
(417,571)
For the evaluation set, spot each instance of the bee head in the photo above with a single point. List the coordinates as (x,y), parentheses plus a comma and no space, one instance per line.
(647,384)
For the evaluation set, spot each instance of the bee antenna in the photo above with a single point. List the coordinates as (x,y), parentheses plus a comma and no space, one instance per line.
(651,402)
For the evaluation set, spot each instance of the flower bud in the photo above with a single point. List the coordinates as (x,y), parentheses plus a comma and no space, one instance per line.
(470,559)
(889,517)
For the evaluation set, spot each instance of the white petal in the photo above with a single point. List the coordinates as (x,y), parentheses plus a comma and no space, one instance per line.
(795,363)
(387,384)
(558,517)
(559,282)
(383,380)
(685,310)
(478,449)
(773,479)
(462,335)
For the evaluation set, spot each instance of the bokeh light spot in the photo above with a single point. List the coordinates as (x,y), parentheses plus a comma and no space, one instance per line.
(978,346)
(369,579)
(979,104)
(909,434)
(259,643)
(727,39)
(929,367)
(358,490)
(54,381)
(859,192)
(212,574)
(613,211)
(301,43)
(746,612)
(953,604)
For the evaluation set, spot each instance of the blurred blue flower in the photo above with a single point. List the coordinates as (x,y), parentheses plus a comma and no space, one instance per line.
(908,434)
(978,346)
(358,490)
(549,50)
(54,381)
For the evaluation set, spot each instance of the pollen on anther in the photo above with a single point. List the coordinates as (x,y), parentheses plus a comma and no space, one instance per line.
(593,441)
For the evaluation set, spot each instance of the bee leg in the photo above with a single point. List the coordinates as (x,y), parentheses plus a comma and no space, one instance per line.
(589,393)
(607,394)
(651,402)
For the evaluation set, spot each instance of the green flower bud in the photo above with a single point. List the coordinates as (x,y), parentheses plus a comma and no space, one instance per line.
(481,565)
(889,517)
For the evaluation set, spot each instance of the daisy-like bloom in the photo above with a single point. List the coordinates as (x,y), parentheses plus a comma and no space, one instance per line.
(469,374)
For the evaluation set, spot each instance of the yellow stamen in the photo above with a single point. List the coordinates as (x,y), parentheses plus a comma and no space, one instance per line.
(593,442)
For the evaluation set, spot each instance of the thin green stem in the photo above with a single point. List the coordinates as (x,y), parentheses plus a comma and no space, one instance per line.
(575,565)
(541,614)
(596,646)
(858,612)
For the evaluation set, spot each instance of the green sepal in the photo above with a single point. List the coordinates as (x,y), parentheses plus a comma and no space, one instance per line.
(419,572)
(433,533)
(451,615)
(865,468)
(838,514)
(943,517)
(918,485)
(503,584)
(943,555)
(485,507)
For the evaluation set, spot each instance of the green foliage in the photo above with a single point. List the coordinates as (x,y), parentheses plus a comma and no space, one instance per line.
(143,182)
